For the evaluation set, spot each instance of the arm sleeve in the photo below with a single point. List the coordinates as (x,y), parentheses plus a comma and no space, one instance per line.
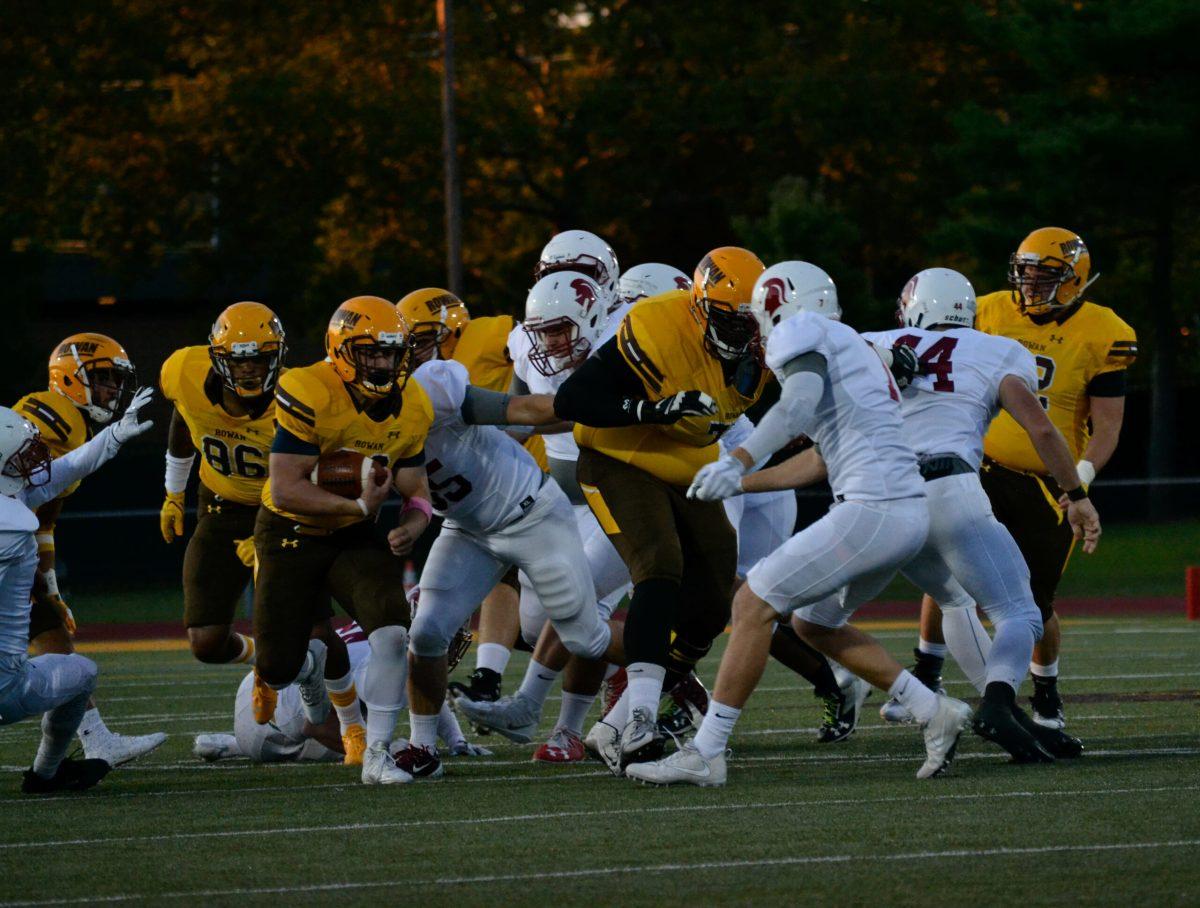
(481,407)
(287,443)
(67,470)
(792,416)
(1107,384)
(602,393)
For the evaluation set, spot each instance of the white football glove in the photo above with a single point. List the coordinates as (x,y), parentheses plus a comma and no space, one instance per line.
(719,480)
(128,427)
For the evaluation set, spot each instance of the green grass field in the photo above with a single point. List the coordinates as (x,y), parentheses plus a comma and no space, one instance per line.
(798,822)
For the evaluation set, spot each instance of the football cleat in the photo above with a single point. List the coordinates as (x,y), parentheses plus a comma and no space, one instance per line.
(354,744)
(1058,742)
(684,767)
(313,694)
(842,712)
(464,748)
(995,722)
(378,767)
(1047,704)
(216,747)
(263,698)
(686,704)
(483,686)
(515,717)
(641,741)
(72,775)
(611,690)
(604,743)
(941,735)
(420,762)
(563,746)
(116,750)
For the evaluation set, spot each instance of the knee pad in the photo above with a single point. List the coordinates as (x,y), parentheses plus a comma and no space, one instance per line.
(584,635)
(427,639)
(88,671)
(532,614)
(390,639)
(563,588)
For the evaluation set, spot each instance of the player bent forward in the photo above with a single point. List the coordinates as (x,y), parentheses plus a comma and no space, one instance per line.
(835,390)
(56,685)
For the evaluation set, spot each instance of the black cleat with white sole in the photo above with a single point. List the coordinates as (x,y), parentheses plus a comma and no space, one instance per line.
(995,722)
(1062,745)
(72,775)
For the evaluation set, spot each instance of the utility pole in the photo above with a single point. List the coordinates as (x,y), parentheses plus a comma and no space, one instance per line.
(454,277)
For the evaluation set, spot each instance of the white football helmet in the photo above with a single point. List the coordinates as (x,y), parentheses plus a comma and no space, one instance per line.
(24,457)
(586,253)
(937,296)
(790,287)
(650,279)
(564,317)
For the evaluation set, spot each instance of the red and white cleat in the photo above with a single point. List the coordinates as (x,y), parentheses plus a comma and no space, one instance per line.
(563,746)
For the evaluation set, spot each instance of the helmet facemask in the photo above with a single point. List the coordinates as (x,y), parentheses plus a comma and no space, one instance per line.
(30,464)
(380,367)
(558,345)
(231,365)
(729,333)
(1041,282)
(108,384)
(425,340)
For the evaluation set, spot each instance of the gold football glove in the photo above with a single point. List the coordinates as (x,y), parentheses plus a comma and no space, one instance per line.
(170,518)
(245,550)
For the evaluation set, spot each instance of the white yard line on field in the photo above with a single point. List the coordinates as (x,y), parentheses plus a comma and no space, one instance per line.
(740,864)
(572,814)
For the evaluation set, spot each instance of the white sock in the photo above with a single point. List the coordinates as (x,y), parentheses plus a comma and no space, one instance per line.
(713,736)
(645,686)
(619,714)
(611,670)
(345,700)
(970,645)
(92,726)
(574,710)
(537,683)
(381,724)
(841,674)
(58,728)
(932,649)
(1042,671)
(914,696)
(448,729)
(492,656)
(384,682)
(424,729)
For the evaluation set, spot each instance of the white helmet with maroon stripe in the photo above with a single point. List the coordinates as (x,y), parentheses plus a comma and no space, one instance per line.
(790,287)
(937,296)
(650,279)
(585,253)
(24,457)
(564,317)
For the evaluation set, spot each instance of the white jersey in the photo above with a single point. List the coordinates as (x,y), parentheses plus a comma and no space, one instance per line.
(480,479)
(559,445)
(857,426)
(948,410)
(18,549)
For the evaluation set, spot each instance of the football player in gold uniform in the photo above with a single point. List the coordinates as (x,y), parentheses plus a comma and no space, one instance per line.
(91,382)
(441,327)
(649,408)
(311,543)
(1082,352)
(224,397)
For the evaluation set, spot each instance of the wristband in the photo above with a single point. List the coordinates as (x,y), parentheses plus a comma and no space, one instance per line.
(178,470)
(1087,472)
(1077,494)
(51,579)
(362,506)
(418,504)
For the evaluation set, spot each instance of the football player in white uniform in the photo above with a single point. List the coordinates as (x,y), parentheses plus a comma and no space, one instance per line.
(964,378)
(836,391)
(56,686)
(290,738)
(649,279)
(500,511)
(583,253)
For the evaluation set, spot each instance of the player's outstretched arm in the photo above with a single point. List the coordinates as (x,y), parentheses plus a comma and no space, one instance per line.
(796,472)
(1018,400)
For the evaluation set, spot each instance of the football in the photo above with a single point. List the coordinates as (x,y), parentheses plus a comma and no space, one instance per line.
(345,472)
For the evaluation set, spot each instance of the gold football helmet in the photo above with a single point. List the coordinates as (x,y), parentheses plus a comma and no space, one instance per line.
(435,320)
(1050,270)
(366,345)
(247,349)
(94,373)
(721,290)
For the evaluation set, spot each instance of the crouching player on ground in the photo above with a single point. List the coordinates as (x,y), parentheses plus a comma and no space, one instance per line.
(291,738)
(56,685)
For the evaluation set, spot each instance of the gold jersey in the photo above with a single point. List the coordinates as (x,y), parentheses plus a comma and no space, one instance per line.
(483,349)
(61,423)
(314,405)
(663,344)
(233,449)
(1092,340)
